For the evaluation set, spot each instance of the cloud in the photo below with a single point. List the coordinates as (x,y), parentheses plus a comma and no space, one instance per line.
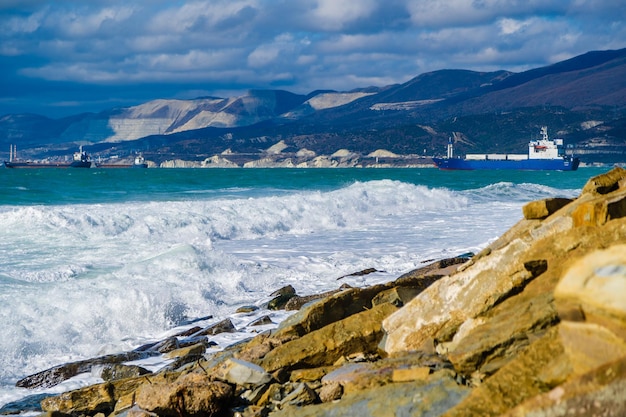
(229,45)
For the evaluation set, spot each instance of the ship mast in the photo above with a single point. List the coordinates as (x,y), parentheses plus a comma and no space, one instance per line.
(450,148)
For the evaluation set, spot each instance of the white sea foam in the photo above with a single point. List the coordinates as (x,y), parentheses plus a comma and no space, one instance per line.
(85,280)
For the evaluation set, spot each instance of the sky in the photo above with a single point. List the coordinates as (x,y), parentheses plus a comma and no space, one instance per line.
(65,57)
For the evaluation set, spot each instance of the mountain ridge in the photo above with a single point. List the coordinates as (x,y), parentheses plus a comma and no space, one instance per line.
(420,114)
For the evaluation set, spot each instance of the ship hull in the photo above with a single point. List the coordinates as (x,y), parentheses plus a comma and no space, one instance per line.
(560,164)
(33,165)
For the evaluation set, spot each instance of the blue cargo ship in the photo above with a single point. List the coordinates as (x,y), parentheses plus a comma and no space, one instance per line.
(543,154)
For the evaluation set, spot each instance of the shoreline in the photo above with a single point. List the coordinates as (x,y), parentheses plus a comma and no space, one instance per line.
(470,337)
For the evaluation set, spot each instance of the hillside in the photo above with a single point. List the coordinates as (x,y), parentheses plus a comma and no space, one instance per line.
(582,100)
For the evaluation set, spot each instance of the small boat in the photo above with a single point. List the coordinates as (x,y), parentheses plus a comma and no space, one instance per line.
(543,154)
(80,160)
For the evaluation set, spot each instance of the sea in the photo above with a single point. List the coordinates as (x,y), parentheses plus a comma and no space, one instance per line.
(101,261)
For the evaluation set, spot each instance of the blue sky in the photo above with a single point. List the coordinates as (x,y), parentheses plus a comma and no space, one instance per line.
(65,57)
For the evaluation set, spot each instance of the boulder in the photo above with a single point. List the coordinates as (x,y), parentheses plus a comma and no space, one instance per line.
(224,326)
(416,398)
(599,392)
(447,303)
(190,395)
(541,209)
(594,289)
(564,352)
(357,333)
(242,373)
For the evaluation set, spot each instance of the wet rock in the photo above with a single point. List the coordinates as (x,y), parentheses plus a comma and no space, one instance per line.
(246,309)
(296,302)
(261,321)
(31,403)
(281,297)
(224,326)
(56,375)
(398,296)
(191,395)
(197,349)
(114,372)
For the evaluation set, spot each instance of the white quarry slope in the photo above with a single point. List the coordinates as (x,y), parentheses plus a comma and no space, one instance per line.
(324,101)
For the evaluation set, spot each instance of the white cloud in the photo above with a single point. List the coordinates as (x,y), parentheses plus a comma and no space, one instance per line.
(335,15)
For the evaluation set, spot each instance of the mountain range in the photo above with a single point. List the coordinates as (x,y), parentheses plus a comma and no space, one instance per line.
(582,100)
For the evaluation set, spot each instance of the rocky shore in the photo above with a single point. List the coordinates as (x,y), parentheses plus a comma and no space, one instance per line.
(533,325)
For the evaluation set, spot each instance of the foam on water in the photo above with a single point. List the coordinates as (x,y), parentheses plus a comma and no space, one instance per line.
(89,279)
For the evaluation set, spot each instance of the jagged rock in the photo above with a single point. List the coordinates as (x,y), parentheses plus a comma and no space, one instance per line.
(196,349)
(397,296)
(91,399)
(541,209)
(600,210)
(246,309)
(191,395)
(239,372)
(261,321)
(357,333)
(595,286)
(101,397)
(113,372)
(330,392)
(296,302)
(224,326)
(281,297)
(570,349)
(416,398)
(599,392)
(56,375)
(31,403)
(300,396)
(448,302)
(329,310)
(606,183)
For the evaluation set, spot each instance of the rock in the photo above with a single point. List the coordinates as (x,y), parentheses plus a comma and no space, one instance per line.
(605,183)
(246,309)
(112,372)
(565,351)
(541,209)
(398,296)
(357,333)
(92,399)
(101,397)
(192,350)
(281,297)
(599,392)
(595,286)
(598,211)
(448,302)
(56,375)
(300,396)
(296,302)
(328,310)
(31,403)
(240,372)
(261,321)
(192,395)
(417,398)
(410,374)
(330,392)
(224,326)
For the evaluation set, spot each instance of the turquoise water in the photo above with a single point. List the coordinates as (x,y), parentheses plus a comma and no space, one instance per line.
(81,186)
(97,261)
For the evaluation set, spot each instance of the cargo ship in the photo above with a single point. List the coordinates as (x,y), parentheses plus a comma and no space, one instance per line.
(80,160)
(543,154)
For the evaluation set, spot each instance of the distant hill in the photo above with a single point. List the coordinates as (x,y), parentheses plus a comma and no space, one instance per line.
(582,99)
